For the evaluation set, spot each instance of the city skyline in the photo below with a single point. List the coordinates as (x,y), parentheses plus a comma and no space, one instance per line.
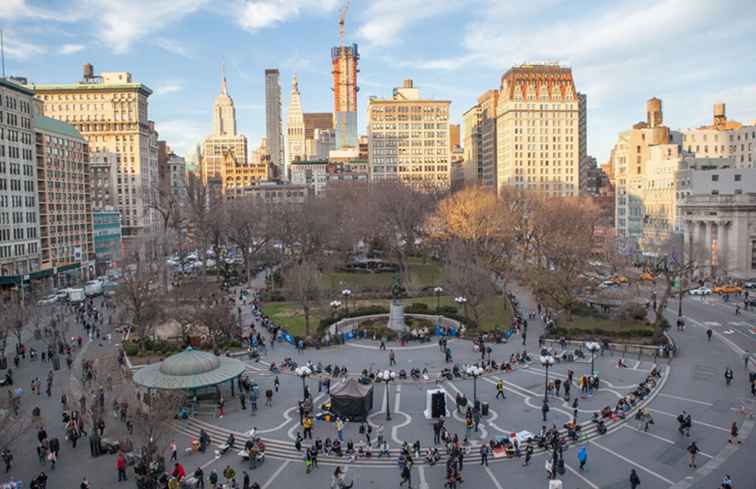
(176,49)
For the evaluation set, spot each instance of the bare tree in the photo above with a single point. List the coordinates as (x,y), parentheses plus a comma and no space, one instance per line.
(468,275)
(153,430)
(303,281)
(139,296)
(249,228)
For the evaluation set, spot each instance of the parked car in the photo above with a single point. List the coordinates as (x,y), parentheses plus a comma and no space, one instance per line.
(750,284)
(700,291)
(728,289)
(647,277)
(93,287)
(50,299)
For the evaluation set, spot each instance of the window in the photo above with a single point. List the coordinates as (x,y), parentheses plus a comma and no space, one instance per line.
(715,178)
(737,178)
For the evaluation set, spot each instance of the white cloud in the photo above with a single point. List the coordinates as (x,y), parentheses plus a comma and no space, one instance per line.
(169,87)
(181,134)
(71,48)
(19,9)
(122,23)
(17,48)
(259,14)
(386,19)
(172,46)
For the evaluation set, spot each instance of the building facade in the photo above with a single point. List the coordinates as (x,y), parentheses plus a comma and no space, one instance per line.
(628,162)
(107,238)
(65,206)
(344,60)
(723,138)
(273,129)
(278,192)
(408,138)
(19,211)
(177,176)
(317,125)
(111,111)
(480,141)
(103,175)
(295,129)
(313,174)
(538,130)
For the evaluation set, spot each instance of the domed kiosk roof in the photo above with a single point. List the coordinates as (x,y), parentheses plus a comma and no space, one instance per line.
(189,369)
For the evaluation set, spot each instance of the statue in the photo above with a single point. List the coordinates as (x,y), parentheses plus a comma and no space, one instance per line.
(396,288)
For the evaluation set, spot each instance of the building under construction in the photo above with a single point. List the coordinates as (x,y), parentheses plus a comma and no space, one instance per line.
(344,60)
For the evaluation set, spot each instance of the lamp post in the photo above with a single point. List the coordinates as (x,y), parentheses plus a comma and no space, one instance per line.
(438,291)
(387,376)
(547,361)
(346,293)
(335,306)
(474,371)
(592,347)
(462,302)
(303,372)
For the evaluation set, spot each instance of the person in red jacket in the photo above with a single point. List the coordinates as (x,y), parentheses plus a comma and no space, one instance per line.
(179,472)
(121,466)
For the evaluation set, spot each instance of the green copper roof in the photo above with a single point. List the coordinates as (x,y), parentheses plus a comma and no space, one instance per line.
(15,86)
(90,86)
(189,369)
(48,124)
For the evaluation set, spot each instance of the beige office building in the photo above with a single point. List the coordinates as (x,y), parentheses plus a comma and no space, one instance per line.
(723,138)
(110,111)
(295,129)
(479,136)
(65,207)
(408,138)
(538,130)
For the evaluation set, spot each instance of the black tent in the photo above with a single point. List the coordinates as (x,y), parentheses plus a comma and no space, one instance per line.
(352,400)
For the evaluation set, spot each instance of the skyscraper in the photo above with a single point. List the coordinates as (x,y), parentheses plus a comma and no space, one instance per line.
(224,146)
(344,61)
(295,128)
(538,130)
(273,130)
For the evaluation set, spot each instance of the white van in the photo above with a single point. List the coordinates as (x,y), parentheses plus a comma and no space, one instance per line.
(93,287)
(75,295)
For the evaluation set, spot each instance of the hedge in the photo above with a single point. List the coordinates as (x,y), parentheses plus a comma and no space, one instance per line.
(623,333)
(360,311)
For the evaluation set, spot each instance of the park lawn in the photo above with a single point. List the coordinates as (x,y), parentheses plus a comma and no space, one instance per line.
(587,323)
(289,315)
(421,275)
(583,327)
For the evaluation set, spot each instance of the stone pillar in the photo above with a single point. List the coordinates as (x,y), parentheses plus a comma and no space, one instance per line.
(707,233)
(722,255)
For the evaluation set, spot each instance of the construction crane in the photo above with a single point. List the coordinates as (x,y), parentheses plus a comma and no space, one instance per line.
(342,21)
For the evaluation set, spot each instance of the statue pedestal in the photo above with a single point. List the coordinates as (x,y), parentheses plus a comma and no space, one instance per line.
(396,317)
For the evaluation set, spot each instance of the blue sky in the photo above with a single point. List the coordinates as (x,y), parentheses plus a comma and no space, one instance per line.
(690,53)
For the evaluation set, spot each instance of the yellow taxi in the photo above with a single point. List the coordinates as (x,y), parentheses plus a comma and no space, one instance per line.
(647,277)
(728,289)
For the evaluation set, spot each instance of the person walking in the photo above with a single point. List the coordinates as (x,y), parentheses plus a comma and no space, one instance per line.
(734,433)
(121,466)
(276,383)
(174,452)
(728,375)
(528,455)
(307,425)
(406,475)
(500,389)
(709,332)
(634,479)
(340,429)
(692,452)
(545,408)
(582,456)
(484,450)
(392,358)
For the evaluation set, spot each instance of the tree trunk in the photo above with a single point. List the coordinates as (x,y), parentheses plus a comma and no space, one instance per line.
(307,320)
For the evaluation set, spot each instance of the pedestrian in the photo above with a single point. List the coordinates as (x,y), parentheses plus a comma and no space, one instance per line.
(121,466)
(221,404)
(727,482)
(734,433)
(276,383)
(7,458)
(269,396)
(709,332)
(634,479)
(582,457)
(545,409)
(52,457)
(575,409)
(528,455)
(484,450)
(307,425)
(406,475)
(213,478)
(692,452)
(339,429)
(199,476)
(392,358)
(174,452)
(500,389)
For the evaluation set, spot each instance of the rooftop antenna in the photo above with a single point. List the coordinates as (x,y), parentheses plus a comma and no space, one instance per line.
(2,51)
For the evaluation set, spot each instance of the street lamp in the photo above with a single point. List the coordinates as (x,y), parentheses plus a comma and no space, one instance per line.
(547,361)
(303,372)
(474,371)
(592,347)
(438,291)
(462,301)
(335,306)
(387,376)
(346,293)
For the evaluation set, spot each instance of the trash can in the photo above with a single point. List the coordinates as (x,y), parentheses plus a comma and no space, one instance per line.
(484,409)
